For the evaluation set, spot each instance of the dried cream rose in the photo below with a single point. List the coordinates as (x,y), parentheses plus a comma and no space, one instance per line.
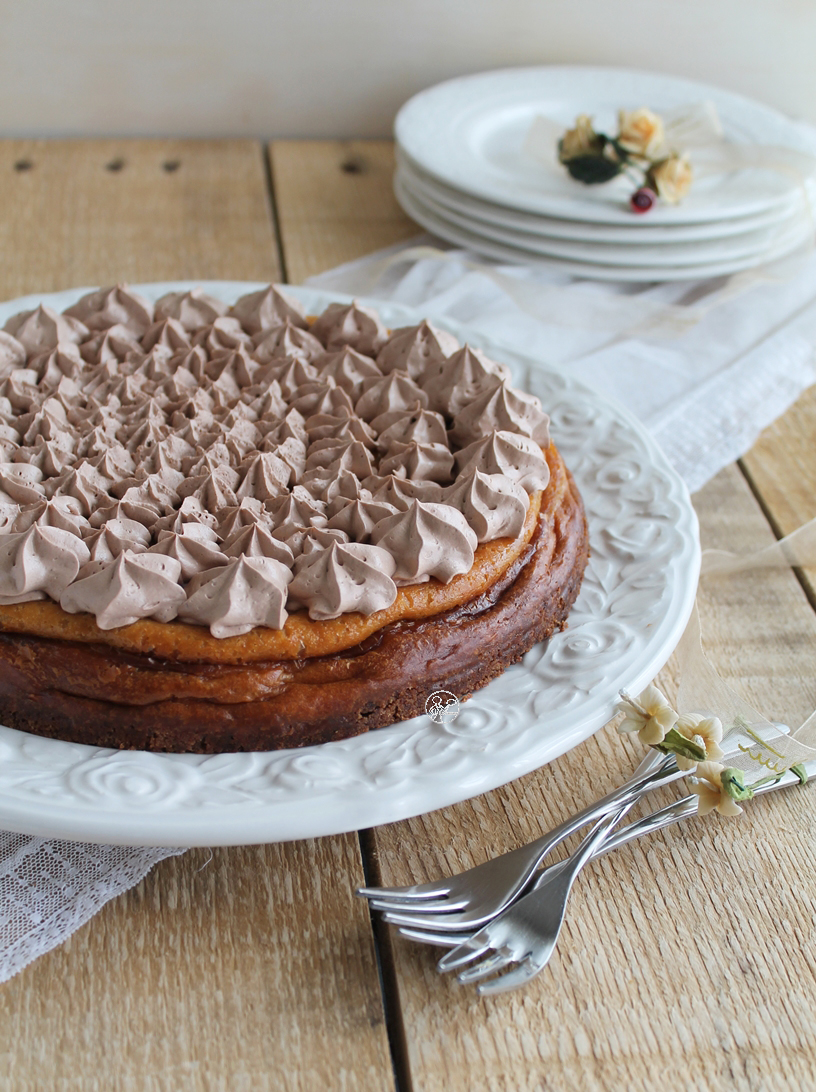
(650,715)
(711,791)
(640,132)
(672,178)
(581,140)
(705,731)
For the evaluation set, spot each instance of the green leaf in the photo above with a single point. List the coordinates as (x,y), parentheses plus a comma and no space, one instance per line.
(592,169)
(675,743)
(622,153)
(733,782)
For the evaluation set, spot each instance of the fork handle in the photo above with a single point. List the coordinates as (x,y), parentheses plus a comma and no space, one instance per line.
(592,846)
(603,842)
(673,813)
(657,820)
(627,793)
(520,866)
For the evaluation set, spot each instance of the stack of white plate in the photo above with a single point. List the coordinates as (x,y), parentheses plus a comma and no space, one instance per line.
(464,174)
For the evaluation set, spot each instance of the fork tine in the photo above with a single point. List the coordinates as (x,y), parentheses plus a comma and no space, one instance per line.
(442,940)
(496,962)
(416,892)
(438,906)
(519,976)
(465,952)
(457,922)
(511,931)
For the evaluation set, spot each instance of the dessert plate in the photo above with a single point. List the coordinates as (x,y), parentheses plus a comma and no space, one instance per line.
(635,601)
(749,245)
(469,133)
(642,234)
(515,253)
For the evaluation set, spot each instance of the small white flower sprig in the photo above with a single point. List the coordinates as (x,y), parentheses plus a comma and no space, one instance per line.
(694,740)
(638,150)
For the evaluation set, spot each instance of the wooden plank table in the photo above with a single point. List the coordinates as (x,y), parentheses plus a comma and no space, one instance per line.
(687,960)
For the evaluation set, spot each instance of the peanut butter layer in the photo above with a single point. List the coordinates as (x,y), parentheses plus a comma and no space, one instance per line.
(301,637)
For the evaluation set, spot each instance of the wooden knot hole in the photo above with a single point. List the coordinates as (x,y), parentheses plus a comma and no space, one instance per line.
(355,164)
(23,165)
(171,165)
(115,165)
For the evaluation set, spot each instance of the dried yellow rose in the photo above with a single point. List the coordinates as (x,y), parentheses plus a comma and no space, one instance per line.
(650,715)
(578,141)
(671,178)
(640,132)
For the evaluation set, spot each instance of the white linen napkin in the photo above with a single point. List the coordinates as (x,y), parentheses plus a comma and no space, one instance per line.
(706,366)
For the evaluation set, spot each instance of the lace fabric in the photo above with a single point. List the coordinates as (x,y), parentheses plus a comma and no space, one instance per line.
(49,888)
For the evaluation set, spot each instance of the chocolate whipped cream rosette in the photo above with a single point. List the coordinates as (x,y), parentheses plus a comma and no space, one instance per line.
(243,528)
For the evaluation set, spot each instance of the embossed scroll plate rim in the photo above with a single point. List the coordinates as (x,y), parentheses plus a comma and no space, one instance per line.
(635,602)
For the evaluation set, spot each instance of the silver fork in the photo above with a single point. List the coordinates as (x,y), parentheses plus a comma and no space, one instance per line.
(656,820)
(471,898)
(526,932)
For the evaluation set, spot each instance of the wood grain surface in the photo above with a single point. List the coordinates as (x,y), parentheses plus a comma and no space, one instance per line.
(96,212)
(780,470)
(335,202)
(687,960)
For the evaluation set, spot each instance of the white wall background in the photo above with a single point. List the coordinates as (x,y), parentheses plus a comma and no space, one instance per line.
(342,67)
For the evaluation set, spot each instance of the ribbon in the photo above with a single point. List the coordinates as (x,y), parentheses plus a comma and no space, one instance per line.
(753,742)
